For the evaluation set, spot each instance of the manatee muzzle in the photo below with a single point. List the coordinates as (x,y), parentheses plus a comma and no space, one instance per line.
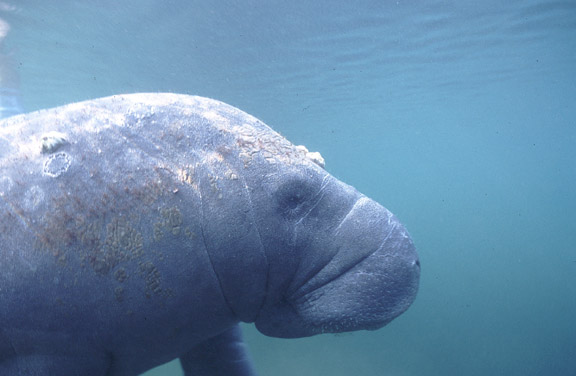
(372,278)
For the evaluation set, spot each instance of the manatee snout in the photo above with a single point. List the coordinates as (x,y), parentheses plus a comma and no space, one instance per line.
(377,274)
(390,277)
(372,277)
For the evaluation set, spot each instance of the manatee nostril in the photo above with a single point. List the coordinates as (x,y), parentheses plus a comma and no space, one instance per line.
(417,263)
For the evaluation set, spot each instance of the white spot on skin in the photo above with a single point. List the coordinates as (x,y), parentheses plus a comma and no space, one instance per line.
(56,164)
(33,197)
(5,185)
(217,119)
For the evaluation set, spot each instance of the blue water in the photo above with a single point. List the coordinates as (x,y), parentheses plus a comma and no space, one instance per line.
(459,116)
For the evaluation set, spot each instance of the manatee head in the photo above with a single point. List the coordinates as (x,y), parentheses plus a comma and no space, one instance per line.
(295,250)
(337,260)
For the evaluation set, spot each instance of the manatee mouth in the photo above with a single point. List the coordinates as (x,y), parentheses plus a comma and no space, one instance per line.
(339,265)
(371,279)
(367,230)
(370,293)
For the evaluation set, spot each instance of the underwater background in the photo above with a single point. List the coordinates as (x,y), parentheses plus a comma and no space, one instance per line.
(458,116)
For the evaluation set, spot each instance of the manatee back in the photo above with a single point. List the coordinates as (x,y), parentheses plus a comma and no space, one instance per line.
(103,209)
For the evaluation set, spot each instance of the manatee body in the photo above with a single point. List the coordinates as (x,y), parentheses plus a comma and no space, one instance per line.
(141,228)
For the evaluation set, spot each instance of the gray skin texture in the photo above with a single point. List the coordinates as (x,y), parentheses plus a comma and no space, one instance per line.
(137,229)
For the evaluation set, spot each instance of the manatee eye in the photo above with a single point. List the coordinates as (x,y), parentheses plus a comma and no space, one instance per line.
(294,196)
(293,201)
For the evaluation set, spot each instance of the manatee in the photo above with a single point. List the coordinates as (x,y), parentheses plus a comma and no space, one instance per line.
(137,229)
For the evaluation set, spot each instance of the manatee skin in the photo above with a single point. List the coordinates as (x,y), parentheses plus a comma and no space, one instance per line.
(140,228)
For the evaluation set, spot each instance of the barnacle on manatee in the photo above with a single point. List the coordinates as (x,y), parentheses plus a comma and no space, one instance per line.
(52,141)
(314,156)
